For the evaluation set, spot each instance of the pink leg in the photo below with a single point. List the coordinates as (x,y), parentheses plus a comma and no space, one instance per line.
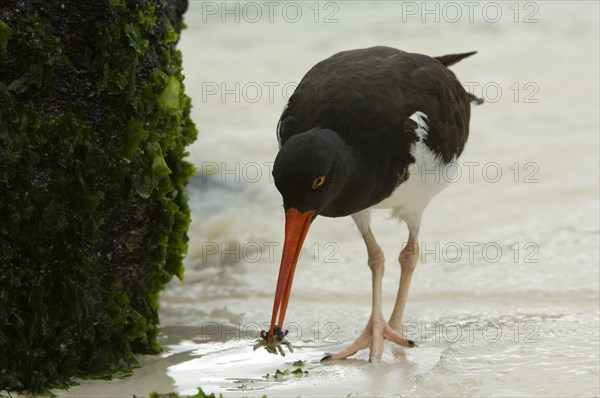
(377,329)
(408,261)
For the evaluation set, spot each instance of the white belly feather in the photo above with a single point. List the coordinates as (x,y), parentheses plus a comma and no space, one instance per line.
(428,176)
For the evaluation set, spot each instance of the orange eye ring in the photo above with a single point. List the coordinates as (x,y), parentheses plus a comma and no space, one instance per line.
(317,182)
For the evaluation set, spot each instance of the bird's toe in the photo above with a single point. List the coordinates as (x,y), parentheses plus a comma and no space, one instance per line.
(374,359)
(326,358)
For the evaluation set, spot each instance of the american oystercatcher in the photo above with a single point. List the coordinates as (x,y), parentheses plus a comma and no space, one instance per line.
(359,132)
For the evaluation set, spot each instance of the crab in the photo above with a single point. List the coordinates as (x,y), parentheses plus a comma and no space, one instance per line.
(277,340)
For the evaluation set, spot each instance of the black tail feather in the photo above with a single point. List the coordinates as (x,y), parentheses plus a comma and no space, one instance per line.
(475,100)
(451,59)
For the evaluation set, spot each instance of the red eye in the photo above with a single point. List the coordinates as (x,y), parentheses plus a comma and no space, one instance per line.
(317,182)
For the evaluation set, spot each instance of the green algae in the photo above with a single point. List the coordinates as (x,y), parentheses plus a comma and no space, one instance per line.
(94,122)
(199,394)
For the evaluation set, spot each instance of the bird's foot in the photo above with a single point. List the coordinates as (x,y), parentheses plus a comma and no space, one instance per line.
(373,336)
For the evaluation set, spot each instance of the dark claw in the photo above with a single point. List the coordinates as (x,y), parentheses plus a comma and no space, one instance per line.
(411,343)
(327,357)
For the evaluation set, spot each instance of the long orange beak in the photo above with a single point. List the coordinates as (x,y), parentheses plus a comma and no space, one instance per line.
(296,228)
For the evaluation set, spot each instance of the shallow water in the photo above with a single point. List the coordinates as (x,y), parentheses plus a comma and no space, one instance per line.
(505,299)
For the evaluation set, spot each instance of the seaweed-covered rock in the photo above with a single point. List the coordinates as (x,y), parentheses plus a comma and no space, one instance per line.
(93,127)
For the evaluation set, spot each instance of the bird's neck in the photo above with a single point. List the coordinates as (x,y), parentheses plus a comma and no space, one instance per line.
(361,182)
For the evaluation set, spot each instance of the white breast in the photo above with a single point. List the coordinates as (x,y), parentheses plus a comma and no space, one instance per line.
(428,176)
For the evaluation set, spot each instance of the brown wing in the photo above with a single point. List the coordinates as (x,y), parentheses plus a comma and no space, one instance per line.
(367,96)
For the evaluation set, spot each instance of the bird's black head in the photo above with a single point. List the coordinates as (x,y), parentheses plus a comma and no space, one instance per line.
(311,169)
